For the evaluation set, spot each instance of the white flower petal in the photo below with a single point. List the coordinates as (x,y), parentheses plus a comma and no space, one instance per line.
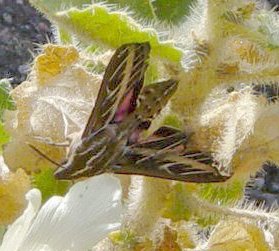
(4,170)
(89,211)
(17,231)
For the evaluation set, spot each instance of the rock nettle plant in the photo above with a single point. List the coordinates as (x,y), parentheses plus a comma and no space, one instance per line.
(225,55)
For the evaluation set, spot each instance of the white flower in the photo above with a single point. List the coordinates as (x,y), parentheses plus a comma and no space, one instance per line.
(4,170)
(88,212)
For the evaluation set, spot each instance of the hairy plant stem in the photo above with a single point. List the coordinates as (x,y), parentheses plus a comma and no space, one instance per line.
(147,198)
(235,212)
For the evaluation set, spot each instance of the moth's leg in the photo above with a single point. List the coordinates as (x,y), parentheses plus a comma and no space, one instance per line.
(48,141)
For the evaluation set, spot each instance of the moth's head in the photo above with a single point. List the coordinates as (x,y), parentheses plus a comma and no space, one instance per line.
(63,172)
(71,168)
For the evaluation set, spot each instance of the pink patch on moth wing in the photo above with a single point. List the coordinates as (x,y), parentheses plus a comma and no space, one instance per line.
(134,137)
(126,107)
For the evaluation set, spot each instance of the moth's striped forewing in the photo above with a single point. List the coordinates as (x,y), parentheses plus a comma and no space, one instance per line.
(121,85)
(166,156)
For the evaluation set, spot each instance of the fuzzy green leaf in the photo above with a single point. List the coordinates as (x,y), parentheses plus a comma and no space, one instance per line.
(207,219)
(6,102)
(3,229)
(172,120)
(48,185)
(64,36)
(4,136)
(141,8)
(177,207)
(97,24)
(59,5)
(172,11)
(123,238)
(161,10)
(222,193)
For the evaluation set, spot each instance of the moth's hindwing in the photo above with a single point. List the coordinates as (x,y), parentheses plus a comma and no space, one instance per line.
(166,157)
(154,97)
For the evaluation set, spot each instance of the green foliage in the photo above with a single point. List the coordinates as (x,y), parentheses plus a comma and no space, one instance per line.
(2,232)
(98,24)
(172,120)
(172,11)
(64,36)
(177,207)
(167,11)
(123,238)
(4,136)
(141,8)
(48,185)
(206,220)
(151,74)
(126,240)
(162,10)
(222,193)
(6,101)
(59,5)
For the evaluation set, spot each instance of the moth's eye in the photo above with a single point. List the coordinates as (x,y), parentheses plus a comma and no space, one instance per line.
(230,89)
(145,125)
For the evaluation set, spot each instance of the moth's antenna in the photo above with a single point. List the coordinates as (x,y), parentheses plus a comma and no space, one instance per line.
(43,155)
